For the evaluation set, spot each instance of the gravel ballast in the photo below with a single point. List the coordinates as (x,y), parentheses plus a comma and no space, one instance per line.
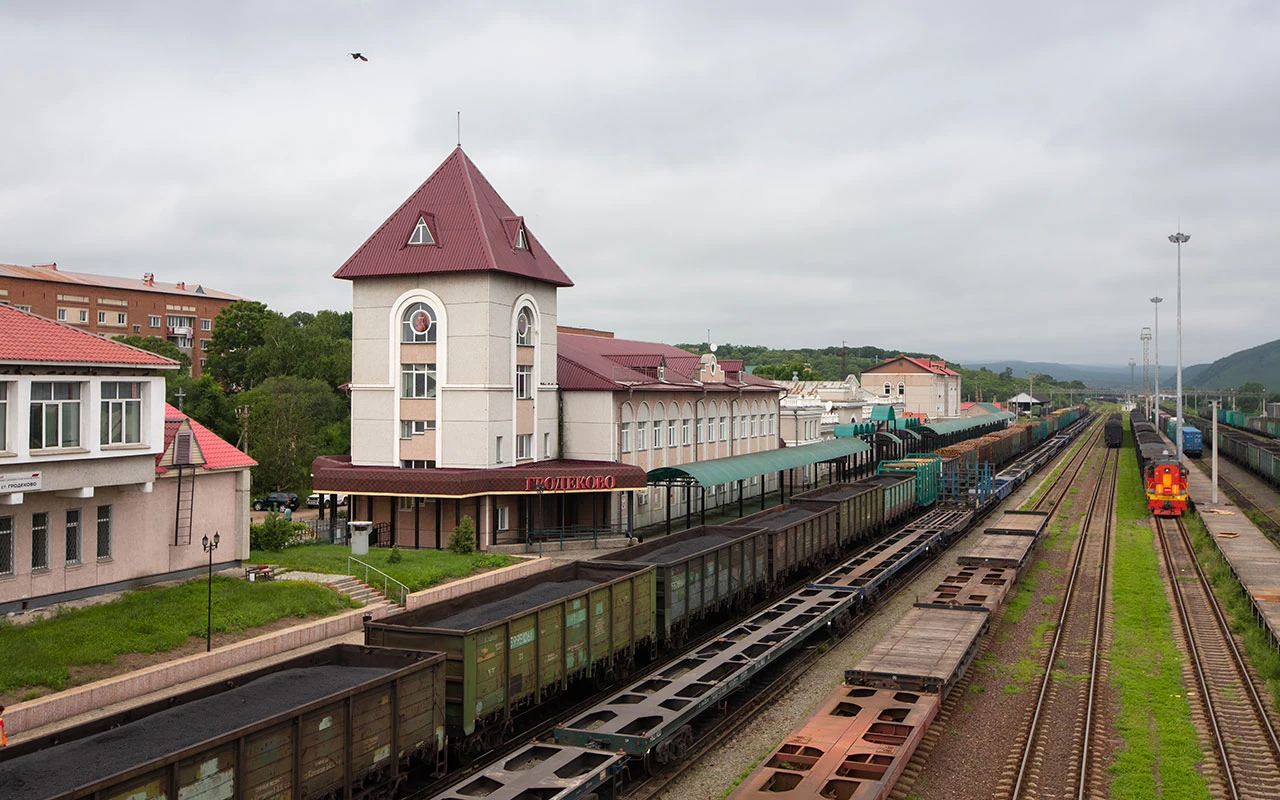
(65,767)
(513,604)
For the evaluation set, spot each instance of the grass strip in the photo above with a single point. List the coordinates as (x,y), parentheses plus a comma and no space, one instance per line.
(417,569)
(151,620)
(1159,749)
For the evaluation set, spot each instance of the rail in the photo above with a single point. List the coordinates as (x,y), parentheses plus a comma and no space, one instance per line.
(538,539)
(387,580)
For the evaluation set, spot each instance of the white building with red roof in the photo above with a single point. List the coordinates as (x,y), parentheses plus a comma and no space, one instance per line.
(100,481)
(925,386)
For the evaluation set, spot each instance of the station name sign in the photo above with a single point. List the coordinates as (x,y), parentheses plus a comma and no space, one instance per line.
(21,482)
(568,483)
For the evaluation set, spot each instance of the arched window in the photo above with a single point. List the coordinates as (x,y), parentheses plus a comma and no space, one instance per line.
(902,388)
(888,390)
(418,325)
(524,327)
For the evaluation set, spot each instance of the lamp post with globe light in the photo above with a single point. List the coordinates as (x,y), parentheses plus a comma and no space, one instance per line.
(209,547)
(1179,239)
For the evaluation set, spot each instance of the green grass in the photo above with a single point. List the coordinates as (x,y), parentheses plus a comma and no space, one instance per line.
(418,569)
(1053,476)
(149,621)
(1159,748)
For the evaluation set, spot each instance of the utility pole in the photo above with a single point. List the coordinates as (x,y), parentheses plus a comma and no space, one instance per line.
(242,414)
(1215,452)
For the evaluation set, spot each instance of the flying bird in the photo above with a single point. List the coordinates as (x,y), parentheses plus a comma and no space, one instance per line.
(358,56)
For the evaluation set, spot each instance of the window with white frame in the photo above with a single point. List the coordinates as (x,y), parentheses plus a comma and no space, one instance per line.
(121,412)
(524,382)
(524,328)
(418,381)
(410,428)
(406,503)
(755,425)
(104,532)
(413,463)
(685,431)
(82,315)
(40,540)
(206,324)
(62,315)
(73,536)
(773,424)
(202,362)
(55,415)
(524,446)
(724,429)
(4,416)
(422,233)
(137,328)
(418,324)
(657,434)
(902,389)
(641,429)
(888,389)
(153,321)
(701,432)
(204,344)
(671,433)
(180,321)
(6,545)
(503,522)
(624,437)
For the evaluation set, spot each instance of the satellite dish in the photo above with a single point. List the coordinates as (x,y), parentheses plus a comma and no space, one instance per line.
(714,346)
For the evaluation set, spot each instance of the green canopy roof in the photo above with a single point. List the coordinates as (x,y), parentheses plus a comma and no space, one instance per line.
(736,468)
(890,437)
(944,427)
(881,413)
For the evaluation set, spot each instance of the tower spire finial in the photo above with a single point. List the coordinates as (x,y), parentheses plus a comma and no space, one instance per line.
(459,128)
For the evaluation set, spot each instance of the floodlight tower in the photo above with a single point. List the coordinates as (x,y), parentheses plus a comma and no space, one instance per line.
(1146,362)
(1132,364)
(1155,406)
(1179,239)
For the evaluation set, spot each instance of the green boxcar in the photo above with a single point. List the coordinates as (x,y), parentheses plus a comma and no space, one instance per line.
(332,737)
(898,491)
(518,643)
(800,536)
(700,571)
(859,509)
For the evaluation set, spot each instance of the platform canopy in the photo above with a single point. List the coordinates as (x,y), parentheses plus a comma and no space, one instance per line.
(943,427)
(737,468)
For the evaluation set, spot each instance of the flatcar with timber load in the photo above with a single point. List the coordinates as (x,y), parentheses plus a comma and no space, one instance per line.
(347,721)
(515,645)
(1113,431)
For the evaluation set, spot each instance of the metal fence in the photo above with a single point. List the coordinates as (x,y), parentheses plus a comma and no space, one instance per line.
(537,540)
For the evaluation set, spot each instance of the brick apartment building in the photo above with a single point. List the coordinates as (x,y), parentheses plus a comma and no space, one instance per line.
(111,306)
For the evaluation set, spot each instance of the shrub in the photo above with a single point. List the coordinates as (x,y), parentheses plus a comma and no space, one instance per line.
(272,534)
(463,538)
(395,556)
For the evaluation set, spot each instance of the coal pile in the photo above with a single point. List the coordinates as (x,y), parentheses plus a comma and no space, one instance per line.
(511,605)
(781,519)
(62,768)
(679,550)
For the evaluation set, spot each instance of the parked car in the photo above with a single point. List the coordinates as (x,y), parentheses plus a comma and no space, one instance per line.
(313,499)
(276,501)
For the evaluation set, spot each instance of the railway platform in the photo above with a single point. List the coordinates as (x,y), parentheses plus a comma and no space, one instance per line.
(1253,558)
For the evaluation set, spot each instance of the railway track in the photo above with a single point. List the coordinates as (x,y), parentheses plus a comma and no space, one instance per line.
(1242,734)
(1053,757)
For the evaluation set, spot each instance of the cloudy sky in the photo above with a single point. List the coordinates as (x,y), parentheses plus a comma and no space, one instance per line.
(980,180)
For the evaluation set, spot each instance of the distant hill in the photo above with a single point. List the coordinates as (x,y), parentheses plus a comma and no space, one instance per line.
(1091,376)
(1261,364)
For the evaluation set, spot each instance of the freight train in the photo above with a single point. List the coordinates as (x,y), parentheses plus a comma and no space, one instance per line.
(1163,475)
(1192,439)
(1113,431)
(359,721)
(1254,450)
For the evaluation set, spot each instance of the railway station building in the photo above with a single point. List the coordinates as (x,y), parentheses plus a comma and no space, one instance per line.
(469,399)
(103,486)
(109,306)
(925,387)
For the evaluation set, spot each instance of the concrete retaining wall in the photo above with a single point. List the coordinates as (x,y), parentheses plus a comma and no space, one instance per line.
(528,566)
(48,710)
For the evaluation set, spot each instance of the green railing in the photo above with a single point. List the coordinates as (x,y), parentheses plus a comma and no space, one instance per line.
(387,581)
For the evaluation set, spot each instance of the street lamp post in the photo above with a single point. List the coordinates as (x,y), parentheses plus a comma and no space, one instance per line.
(1155,402)
(1179,239)
(209,547)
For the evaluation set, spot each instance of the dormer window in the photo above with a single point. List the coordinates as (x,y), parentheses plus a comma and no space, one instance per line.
(422,233)
(521,242)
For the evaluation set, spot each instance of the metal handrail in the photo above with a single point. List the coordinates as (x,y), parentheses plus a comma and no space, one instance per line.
(386,579)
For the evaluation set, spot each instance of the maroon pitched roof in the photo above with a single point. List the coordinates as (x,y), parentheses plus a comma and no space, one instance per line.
(601,363)
(936,367)
(51,272)
(27,338)
(473,228)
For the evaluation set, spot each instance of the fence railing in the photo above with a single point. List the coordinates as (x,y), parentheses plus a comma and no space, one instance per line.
(543,537)
(322,530)
(388,582)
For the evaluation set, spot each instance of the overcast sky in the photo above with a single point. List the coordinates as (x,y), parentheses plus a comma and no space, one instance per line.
(979,180)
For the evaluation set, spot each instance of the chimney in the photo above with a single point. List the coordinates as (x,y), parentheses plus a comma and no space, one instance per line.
(149,278)
(182,285)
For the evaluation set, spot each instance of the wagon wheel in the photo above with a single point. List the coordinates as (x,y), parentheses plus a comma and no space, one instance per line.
(469,749)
